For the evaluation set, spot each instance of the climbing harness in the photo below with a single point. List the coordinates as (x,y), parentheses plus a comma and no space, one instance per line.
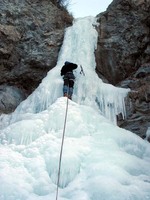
(62,142)
(82,72)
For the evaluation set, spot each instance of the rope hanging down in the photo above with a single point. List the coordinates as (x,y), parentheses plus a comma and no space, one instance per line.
(62,142)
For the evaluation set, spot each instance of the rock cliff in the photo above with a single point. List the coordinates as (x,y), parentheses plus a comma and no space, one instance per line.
(123,57)
(31,34)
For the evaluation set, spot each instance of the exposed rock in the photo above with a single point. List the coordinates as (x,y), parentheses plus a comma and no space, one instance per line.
(10,97)
(123,57)
(31,34)
(138,113)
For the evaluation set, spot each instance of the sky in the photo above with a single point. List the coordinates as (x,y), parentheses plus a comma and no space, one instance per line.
(83,8)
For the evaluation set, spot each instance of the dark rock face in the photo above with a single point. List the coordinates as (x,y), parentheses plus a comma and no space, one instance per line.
(31,34)
(10,97)
(138,113)
(123,57)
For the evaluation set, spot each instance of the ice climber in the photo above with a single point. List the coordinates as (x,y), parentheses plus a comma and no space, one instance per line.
(69,78)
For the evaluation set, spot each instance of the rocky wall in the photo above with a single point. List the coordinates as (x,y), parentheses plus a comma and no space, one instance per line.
(123,57)
(31,34)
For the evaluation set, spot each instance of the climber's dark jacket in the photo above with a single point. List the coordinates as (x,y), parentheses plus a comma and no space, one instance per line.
(68,67)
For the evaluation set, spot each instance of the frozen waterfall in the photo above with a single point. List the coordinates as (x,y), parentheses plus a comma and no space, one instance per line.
(79,45)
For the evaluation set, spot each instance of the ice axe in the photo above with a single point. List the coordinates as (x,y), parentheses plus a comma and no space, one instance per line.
(82,72)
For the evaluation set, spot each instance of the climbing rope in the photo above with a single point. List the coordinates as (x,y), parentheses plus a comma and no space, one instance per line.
(62,142)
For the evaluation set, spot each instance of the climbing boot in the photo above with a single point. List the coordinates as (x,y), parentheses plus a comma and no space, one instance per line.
(70,97)
(65,95)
